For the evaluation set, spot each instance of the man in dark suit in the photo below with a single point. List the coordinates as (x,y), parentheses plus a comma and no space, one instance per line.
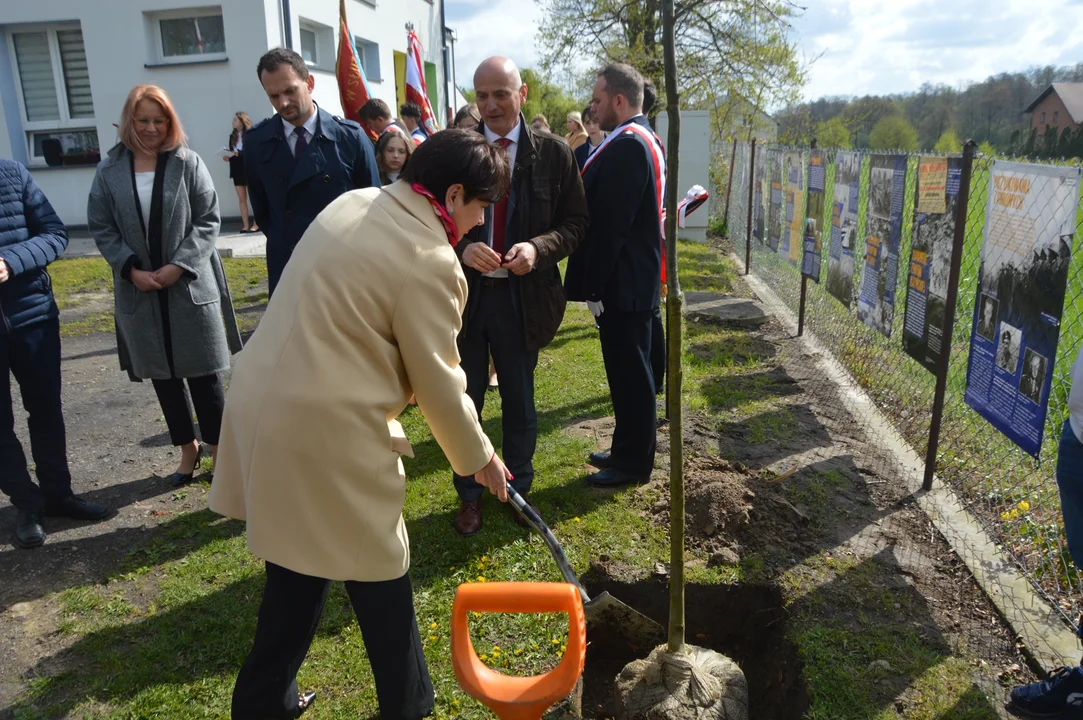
(516,301)
(617,269)
(300,160)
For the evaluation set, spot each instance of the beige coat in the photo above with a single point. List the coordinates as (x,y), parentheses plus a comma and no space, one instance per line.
(366,315)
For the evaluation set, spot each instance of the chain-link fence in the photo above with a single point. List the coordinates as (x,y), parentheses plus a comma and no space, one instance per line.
(1013,274)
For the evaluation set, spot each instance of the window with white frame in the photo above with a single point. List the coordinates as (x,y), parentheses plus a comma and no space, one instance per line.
(55,98)
(189,35)
(369,53)
(317,44)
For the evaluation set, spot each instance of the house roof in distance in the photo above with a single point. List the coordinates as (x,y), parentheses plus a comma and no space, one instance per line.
(1071,94)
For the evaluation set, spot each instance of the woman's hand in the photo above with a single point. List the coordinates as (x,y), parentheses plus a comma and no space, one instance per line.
(481,257)
(168,275)
(495,476)
(145,281)
(225,158)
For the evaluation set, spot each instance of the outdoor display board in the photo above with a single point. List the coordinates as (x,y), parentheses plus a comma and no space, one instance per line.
(840,260)
(775,217)
(883,233)
(792,235)
(814,215)
(759,198)
(930,257)
(1025,257)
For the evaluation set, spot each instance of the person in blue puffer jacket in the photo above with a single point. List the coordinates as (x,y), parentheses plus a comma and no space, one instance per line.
(31,237)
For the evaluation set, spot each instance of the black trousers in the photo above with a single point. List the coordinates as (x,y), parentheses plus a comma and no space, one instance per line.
(288,617)
(658,352)
(209,400)
(626,351)
(496,327)
(32,355)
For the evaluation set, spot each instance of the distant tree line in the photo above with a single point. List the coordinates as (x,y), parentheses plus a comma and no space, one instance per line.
(939,116)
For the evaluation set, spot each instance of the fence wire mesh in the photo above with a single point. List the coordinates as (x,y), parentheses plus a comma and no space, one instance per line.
(1013,494)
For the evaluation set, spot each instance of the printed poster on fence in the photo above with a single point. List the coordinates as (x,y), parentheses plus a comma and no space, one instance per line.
(840,259)
(775,215)
(1025,258)
(814,215)
(792,233)
(930,258)
(883,234)
(758,199)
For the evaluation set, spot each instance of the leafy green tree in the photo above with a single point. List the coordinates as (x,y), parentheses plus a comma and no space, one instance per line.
(1031,143)
(550,100)
(893,133)
(833,134)
(1051,139)
(949,142)
(986,148)
(1064,145)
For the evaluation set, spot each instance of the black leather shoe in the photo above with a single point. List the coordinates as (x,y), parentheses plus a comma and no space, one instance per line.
(28,530)
(600,460)
(304,702)
(612,477)
(76,508)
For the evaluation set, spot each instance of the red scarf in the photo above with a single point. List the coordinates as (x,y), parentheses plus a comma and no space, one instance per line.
(450,227)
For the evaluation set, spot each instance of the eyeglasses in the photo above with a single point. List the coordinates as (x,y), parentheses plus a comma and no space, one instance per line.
(158,122)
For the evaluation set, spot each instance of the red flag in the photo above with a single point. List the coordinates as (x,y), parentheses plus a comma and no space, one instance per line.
(416,92)
(353,88)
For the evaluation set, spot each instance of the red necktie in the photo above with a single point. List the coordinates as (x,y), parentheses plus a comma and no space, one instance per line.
(500,211)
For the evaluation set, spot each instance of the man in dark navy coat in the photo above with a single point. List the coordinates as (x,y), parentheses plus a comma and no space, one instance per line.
(617,269)
(300,160)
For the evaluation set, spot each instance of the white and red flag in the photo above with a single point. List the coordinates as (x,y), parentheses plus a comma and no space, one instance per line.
(416,92)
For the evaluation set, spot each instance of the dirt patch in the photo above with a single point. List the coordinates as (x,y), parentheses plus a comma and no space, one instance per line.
(747,623)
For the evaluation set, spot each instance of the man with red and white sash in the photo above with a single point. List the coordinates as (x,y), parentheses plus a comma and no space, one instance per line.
(617,268)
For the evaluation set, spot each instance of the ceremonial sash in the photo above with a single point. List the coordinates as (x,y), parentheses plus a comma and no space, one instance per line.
(658,162)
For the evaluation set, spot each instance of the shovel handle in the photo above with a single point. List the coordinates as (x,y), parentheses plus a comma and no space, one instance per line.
(534,520)
(517,698)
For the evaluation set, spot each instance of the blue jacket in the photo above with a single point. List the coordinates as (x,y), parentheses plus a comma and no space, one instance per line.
(288,195)
(31,237)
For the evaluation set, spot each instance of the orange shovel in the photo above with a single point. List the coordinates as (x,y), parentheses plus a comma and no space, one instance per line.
(517,698)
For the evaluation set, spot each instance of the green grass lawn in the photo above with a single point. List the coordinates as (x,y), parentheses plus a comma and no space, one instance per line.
(164,635)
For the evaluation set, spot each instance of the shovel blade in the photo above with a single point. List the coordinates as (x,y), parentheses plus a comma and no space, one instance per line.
(636,628)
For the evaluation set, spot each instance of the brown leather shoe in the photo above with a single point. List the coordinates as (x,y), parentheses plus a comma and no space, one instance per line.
(517,516)
(468,519)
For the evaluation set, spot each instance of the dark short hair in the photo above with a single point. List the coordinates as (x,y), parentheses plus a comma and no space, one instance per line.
(650,97)
(622,79)
(374,109)
(410,110)
(273,59)
(460,156)
(588,114)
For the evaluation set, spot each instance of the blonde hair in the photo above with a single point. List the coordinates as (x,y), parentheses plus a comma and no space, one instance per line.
(174,138)
(245,124)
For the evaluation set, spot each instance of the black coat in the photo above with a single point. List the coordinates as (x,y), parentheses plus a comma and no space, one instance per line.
(546,208)
(288,195)
(619,261)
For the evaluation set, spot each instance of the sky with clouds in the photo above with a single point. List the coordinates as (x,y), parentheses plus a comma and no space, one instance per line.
(858,47)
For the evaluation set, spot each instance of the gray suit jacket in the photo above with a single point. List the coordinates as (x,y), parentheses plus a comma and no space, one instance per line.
(203,326)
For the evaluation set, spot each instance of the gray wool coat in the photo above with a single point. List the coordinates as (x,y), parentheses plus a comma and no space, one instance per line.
(203,326)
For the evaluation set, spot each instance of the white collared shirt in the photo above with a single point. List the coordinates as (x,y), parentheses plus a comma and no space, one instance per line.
(309,126)
(512,149)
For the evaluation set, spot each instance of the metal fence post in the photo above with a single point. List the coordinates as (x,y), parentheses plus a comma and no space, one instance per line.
(949,314)
(729,186)
(804,277)
(751,202)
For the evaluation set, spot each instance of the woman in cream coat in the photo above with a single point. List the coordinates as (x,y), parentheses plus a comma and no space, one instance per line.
(364,318)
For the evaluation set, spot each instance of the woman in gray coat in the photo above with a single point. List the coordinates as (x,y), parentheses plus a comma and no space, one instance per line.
(153,213)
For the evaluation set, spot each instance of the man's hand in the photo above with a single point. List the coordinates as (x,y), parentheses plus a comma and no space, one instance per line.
(495,476)
(168,275)
(481,257)
(145,281)
(225,158)
(521,258)
(5,271)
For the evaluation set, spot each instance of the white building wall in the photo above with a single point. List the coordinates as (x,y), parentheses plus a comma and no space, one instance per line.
(120,50)
(695,164)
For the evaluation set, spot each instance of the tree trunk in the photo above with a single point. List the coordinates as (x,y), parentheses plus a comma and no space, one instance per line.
(674,305)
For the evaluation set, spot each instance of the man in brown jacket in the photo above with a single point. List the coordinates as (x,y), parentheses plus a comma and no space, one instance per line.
(516,300)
